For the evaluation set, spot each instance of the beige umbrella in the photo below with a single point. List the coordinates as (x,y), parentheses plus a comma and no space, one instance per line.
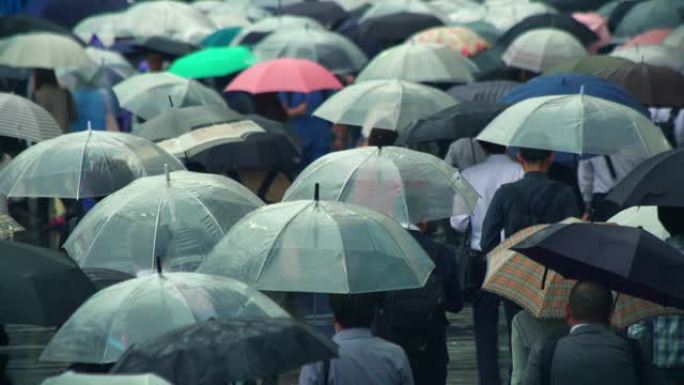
(196,141)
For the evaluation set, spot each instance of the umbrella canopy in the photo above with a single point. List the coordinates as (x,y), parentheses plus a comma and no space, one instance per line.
(178,218)
(141,309)
(25,120)
(176,45)
(419,63)
(657,55)
(72,378)
(675,38)
(652,182)
(29,276)
(403,184)
(227,350)
(393,7)
(103,26)
(459,39)
(151,94)
(110,68)
(178,121)
(378,33)
(644,217)
(213,62)
(250,9)
(83,165)
(227,21)
(205,138)
(222,37)
(486,91)
(590,65)
(652,37)
(286,74)
(549,20)
(464,120)
(388,104)
(649,15)
(20,24)
(162,18)
(538,50)
(597,24)
(651,85)
(328,13)
(582,124)
(505,14)
(625,259)
(350,248)
(331,50)
(42,50)
(568,84)
(254,33)
(68,13)
(8,226)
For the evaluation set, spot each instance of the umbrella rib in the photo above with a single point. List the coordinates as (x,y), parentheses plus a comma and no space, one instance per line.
(80,165)
(156,225)
(206,209)
(352,173)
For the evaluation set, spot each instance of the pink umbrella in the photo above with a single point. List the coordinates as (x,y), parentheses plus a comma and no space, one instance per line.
(599,25)
(286,74)
(652,37)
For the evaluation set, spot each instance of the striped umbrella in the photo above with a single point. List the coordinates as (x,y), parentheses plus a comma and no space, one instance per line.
(545,293)
(460,39)
(22,119)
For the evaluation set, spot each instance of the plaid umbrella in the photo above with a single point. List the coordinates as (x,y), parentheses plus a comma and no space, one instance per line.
(543,292)
(460,39)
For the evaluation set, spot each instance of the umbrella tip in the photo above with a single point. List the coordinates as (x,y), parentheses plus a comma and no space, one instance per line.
(90,126)
(170,101)
(167,173)
(317,188)
(582,89)
(157,265)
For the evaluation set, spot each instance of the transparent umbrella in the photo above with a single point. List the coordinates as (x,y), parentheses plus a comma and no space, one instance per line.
(178,217)
(320,247)
(162,18)
(83,165)
(257,31)
(42,50)
(331,50)
(24,119)
(141,309)
(149,95)
(409,186)
(72,378)
(389,7)
(110,68)
(418,62)
(388,104)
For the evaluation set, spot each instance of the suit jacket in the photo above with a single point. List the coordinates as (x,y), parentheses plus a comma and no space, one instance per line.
(592,354)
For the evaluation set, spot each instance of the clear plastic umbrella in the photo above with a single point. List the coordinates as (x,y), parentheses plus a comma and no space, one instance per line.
(256,31)
(141,309)
(101,25)
(110,68)
(162,18)
(418,62)
(149,95)
(390,7)
(409,186)
(579,124)
(332,50)
(320,247)
(541,49)
(24,119)
(72,378)
(178,217)
(42,50)
(83,165)
(388,104)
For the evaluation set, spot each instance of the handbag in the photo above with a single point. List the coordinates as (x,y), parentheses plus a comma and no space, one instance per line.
(471,267)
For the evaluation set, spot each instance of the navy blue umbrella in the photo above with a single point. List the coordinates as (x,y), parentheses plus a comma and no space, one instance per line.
(565,84)
(68,13)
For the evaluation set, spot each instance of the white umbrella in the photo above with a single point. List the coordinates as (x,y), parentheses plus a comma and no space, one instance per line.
(72,378)
(42,50)
(389,7)
(102,25)
(23,119)
(162,18)
(202,139)
(645,217)
(271,24)
(539,50)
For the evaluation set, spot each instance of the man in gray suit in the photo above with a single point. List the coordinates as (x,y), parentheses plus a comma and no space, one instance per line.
(591,354)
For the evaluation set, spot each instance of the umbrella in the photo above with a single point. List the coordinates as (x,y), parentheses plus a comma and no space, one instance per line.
(652,37)
(331,50)
(625,259)
(675,38)
(170,46)
(25,120)
(178,121)
(459,39)
(103,278)
(393,7)
(582,124)
(254,33)
(42,50)
(614,11)
(545,293)
(649,15)
(567,6)
(320,247)
(651,85)
(8,226)
(178,217)
(541,49)
(597,24)
(568,84)
(218,351)
(83,165)
(644,217)
(39,286)
(285,75)
(110,68)
(69,12)
(590,65)
(141,309)
(328,13)
(657,55)
(102,26)
(486,91)
(213,62)
(407,185)
(151,94)
(388,104)
(229,21)
(652,182)
(464,120)
(20,24)
(378,33)
(162,18)
(250,9)
(560,22)
(505,14)
(222,37)
(419,63)
(72,378)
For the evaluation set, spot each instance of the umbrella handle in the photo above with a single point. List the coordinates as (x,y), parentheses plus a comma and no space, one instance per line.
(317,188)
(543,282)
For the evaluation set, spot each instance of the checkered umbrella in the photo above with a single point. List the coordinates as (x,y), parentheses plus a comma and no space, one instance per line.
(543,292)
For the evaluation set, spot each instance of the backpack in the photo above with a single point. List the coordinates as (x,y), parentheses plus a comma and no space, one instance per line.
(414,311)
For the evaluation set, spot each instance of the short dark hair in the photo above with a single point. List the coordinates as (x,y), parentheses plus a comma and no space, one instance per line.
(354,310)
(672,219)
(492,148)
(534,155)
(591,302)
(382,137)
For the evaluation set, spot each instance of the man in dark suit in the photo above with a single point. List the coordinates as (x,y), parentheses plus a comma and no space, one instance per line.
(591,354)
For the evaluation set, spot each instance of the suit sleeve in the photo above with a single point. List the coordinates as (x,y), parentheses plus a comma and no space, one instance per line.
(532,375)
(492,224)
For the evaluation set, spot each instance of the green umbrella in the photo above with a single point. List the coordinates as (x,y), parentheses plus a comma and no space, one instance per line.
(213,62)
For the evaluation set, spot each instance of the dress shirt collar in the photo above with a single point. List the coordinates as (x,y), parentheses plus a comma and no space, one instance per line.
(352,333)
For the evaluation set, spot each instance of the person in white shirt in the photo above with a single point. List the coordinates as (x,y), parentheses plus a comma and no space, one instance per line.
(464,153)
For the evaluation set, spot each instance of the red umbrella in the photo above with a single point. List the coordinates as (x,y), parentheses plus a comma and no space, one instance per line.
(285,74)
(652,37)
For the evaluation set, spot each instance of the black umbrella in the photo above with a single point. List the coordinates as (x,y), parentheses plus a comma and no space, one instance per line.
(179,121)
(488,91)
(549,20)
(39,286)
(652,85)
(18,24)
(220,351)
(655,182)
(625,259)
(165,45)
(103,278)
(328,13)
(69,12)
(378,33)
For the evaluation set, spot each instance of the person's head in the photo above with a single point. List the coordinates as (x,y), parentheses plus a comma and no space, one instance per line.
(492,148)
(155,61)
(43,77)
(353,310)
(381,137)
(672,219)
(535,160)
(589,303)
